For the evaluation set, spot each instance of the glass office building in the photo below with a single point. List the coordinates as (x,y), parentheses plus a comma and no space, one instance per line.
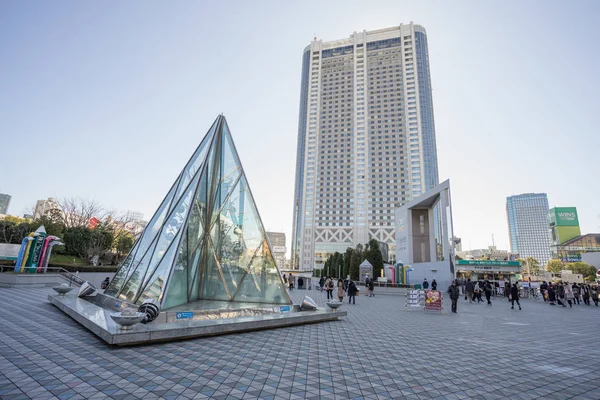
(4,203)
(366,140)
(528,226)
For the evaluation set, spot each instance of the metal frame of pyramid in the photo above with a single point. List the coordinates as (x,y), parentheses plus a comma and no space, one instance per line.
(206,241)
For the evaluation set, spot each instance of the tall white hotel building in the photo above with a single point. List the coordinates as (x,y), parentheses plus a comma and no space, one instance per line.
(366,140)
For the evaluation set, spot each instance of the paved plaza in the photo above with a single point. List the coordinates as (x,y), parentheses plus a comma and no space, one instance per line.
(377,352)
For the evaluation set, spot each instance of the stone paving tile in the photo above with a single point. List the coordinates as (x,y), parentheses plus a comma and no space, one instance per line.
(377,352)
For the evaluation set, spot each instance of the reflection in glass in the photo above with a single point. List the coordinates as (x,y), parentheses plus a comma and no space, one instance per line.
(206,241)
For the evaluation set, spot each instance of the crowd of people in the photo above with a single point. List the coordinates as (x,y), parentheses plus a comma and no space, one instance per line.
(344,288)
(558,293)
(563,293)
(473,292)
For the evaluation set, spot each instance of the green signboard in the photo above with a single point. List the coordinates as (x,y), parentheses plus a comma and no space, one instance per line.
(563,216)
(490,262)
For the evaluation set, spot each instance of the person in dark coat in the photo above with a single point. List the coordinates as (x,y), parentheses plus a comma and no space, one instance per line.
(371,288)
(544,290)
(351,292)
(425,284)
(514,296)
(433,285)
(560,294)
(551,294)
(576,293)
(487,288)
(585,294)
(470,289)
(454,293)
(322,283)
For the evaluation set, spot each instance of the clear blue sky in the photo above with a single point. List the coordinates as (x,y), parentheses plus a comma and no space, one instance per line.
(107,100)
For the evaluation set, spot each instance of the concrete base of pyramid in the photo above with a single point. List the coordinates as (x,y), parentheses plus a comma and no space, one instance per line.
(188,323)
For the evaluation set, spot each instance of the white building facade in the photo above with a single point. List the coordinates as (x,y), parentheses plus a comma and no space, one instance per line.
(366,140)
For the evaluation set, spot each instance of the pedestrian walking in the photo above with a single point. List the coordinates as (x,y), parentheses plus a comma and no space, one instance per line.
(371,288)
(454,293)
(569,294)
(576,293)
(352,292)
(585,294)
(329,287)
(291,282)
(470,287)
(551,294)
(433,285)
(514,296)
(340,289)
(544,291)
(477,292)
(322,283)
(487,288)
(560,292)
(425,284)
(594,293)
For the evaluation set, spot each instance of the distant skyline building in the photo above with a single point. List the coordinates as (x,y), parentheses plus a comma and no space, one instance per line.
(278,246)
(528,226)
(44,206)
(366,140)
(4,203)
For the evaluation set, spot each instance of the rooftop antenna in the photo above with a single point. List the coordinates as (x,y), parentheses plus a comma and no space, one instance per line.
(493,244)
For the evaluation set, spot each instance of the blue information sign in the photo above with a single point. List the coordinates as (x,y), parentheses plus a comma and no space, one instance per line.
(184,315)
(285,308)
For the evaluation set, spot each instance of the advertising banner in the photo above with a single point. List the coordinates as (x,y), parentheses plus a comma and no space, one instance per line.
(564,216)
(433,300)
(413,298)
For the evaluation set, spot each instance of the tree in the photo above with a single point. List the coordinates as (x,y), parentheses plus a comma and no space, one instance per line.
(373,255)
(347,261)
(554,266)
(356,260)
(582,268)
(77,212)
(530,265)
(355,266)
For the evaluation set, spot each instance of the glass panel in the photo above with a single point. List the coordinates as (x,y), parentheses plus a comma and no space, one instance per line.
(155,284)
(194,272)
(226,252)
(119,278)
(196,161)
(251,226)
(231,165)
(153,227)
(212,286)
(263,283)
(171,228)
(178,293)
(130,288)
(197,214)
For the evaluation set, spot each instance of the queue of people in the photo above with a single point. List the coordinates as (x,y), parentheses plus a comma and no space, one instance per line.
(563,293)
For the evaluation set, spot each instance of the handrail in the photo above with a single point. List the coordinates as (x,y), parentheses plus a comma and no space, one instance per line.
(71,277)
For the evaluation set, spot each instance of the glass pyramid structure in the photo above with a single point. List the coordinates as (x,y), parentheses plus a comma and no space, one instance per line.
(206,240)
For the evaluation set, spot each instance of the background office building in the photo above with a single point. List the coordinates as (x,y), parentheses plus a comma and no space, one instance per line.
(4,203)
(528,226)
(366,139)
(277,240)
(43,207)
